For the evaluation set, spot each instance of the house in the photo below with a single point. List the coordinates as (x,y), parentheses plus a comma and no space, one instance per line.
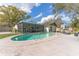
(48,26)
(59,24)
(53,25)
(5,28)
(68,29)
(30,27)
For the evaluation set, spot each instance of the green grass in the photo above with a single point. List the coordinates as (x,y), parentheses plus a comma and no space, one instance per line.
(5,35)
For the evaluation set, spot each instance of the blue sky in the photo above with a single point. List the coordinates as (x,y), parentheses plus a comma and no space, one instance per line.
(45,9)
(39,11)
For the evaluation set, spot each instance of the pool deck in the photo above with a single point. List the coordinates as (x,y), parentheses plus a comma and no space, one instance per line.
(5,32)
(55,45)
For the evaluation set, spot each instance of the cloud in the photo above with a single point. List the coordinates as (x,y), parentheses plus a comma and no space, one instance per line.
(44,19)
(39,15)
(66,19)
(24,6)
(37,4)
(27,6)
(28,10)
(1,4)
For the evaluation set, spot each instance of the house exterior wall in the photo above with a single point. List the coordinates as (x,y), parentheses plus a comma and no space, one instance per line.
(53,28)
(5,28)
(20,27)
(50,29)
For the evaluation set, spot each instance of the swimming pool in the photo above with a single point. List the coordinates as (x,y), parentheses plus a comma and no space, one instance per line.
(35,36)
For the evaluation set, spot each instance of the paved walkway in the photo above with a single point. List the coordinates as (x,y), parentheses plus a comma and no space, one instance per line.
(5,32)
(56,45)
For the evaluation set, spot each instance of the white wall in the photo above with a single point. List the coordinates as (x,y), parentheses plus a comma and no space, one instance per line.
(47,29)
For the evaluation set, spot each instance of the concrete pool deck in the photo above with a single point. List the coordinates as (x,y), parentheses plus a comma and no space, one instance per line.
(5,32)
(55,45)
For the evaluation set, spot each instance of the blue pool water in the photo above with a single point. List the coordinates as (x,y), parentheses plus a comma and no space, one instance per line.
(35,36)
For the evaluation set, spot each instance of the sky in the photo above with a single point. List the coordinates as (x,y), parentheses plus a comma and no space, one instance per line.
(40,12)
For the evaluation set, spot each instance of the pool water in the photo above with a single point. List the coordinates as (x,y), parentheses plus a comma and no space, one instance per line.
(35,36)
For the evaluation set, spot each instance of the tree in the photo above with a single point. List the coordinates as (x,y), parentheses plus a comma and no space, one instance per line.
(68,7)
(75,24)
(58,22)
(10,15)
(48,22)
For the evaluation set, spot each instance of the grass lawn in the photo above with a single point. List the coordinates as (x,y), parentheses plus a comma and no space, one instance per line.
(5,35)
